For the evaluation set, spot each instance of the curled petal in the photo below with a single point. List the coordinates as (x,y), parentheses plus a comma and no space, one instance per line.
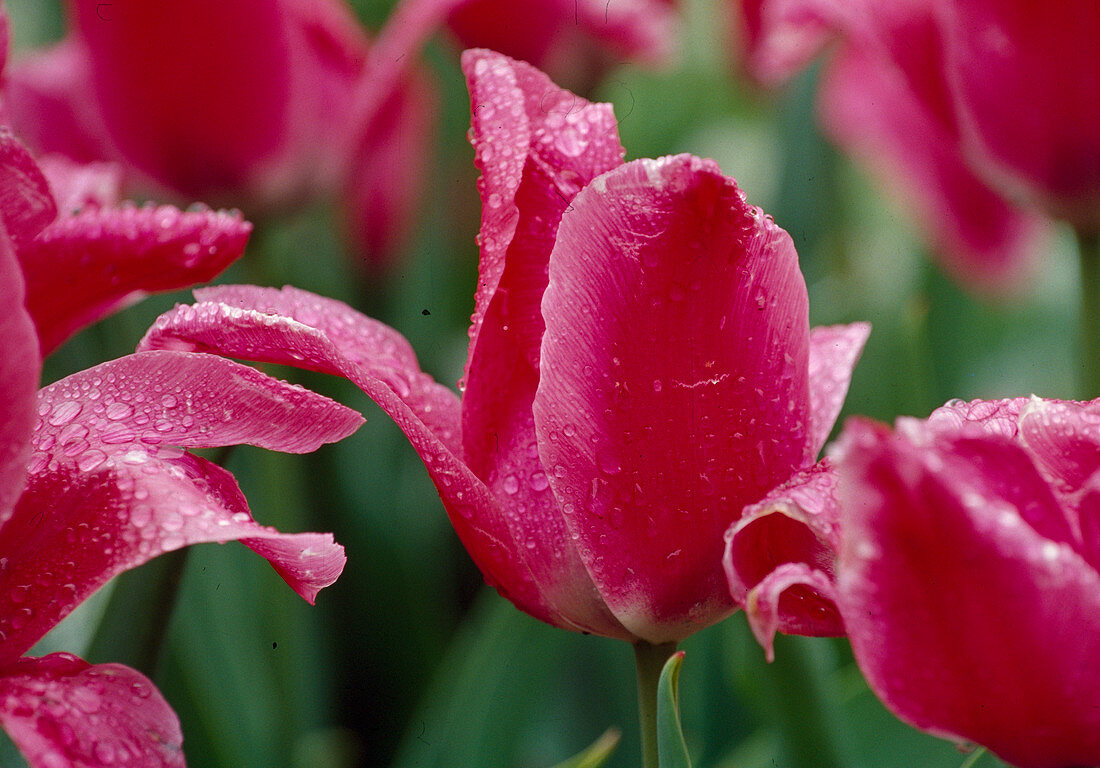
(792,589)
(964,617)
(19,368)
(834,351)
(297,328)
(61,711)
(26,203)
(668,295)
(779,552)
(111,256)
(109,488)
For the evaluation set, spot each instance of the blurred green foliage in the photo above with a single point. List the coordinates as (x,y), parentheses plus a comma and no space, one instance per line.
(408,661)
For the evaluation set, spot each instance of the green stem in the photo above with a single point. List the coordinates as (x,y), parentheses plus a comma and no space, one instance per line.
(1088,244)
(650,660)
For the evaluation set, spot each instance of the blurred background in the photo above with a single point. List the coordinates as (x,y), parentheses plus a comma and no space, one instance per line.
(409,661)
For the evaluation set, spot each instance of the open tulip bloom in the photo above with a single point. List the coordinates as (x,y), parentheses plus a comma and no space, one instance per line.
(641,367)
(967,572)
(93,476)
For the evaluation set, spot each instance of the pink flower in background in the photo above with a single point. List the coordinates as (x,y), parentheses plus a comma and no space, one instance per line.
(84,255)
(564,37)
(251,103)
(897,95)
(93,478)
(641,366)
(969,573)
(1047,153)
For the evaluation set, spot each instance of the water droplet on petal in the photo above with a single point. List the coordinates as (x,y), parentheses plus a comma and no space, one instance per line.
(64,412)
(90,459)
(511,485)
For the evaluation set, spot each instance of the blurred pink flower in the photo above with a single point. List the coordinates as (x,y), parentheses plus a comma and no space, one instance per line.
(93,478)
(566,38)
(84,255)
(904,95)
(969,573)
(252,103)
(641,366)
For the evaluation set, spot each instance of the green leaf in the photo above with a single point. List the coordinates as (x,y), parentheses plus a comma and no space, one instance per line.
(596,754)
(671,750)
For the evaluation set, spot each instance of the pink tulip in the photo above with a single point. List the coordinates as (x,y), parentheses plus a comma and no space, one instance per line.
(1048,153)
(891,96)
(641,366)
(251,103)
(969,573)
(93,476)
(84,255)
(549,34)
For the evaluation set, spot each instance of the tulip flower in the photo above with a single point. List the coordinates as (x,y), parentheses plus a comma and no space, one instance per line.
(894,95)
(93,476)
(251,103)
(84,255)
(969,573)
(641,366)
(548,34)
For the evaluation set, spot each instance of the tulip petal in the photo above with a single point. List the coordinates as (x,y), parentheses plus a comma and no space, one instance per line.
(536,145)
(193,94)
(49,101)
(564,142)
(108,487)
(673,386)
(792,588)
(995,50)
(834,351)
(964,618)
(1063,438)
(111,256)
(61,711)
(26,203)
(870,109)
(19,369)
(294,327)
(779,558)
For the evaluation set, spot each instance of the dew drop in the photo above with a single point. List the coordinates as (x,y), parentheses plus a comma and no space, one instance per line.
(90,459)
(539,482)
(117,411)
(511,485)
(64,412)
